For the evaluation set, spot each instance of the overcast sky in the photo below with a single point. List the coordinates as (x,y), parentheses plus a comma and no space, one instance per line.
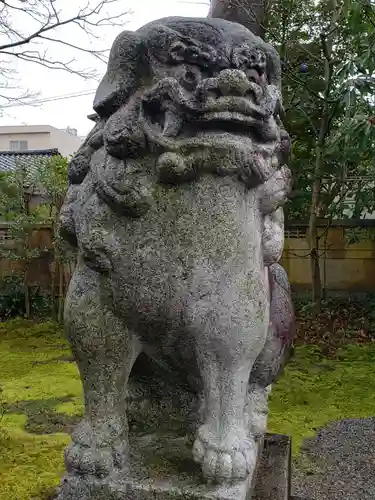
(49,83)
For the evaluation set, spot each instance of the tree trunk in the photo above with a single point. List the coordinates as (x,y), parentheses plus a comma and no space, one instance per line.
(27,293)
(53,290)
(313,237)
(26,204)
(249,13)
(61,292)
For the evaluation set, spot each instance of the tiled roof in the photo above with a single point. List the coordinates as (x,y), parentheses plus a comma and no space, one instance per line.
(9,160)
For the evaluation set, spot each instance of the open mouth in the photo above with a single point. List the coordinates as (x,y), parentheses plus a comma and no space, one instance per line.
(238,115)
(237,123)
(227,121)
(166,118)
(241,107)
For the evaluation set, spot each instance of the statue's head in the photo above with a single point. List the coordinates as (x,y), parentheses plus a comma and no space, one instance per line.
(199,95)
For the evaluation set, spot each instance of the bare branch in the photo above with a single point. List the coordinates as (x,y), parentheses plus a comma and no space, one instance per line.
(52,2)
(26,97)
(37,58)
(52,21)
(99,54)
(30,29)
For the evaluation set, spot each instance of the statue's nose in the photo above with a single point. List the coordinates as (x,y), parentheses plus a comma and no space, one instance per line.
(232,82)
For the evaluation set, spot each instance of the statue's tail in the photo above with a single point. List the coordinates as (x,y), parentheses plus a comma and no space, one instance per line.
(279,343)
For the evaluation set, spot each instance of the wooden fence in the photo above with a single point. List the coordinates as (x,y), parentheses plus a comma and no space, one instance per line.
(40,269)
(344,266)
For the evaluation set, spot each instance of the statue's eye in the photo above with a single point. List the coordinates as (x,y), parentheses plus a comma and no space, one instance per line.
(243,61)
(190,76)
(253,62)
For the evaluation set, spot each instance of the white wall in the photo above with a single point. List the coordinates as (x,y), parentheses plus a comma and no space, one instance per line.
(40,137)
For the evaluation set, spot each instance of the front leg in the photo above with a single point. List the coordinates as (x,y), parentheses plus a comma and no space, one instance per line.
(105,352)
(223,446)
(227,350)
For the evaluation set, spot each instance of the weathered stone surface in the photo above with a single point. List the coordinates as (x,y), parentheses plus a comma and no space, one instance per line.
(175,205)
(249,13)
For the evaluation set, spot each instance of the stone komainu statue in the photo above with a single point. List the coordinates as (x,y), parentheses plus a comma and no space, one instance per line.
(174,203)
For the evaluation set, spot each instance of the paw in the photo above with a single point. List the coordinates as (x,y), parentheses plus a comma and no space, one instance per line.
(86,460)
(97,450)
(225,460)
(174,168)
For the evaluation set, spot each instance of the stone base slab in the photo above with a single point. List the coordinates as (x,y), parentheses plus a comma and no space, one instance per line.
(164,470)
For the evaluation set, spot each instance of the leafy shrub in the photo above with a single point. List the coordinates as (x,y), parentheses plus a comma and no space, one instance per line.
(369,304)
(12,300)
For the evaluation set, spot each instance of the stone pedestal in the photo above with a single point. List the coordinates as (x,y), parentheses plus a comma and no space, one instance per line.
(161,468)
(273,480)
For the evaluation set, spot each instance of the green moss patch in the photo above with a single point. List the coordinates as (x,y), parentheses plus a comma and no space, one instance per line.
(42,398)
(42,418)
(35,385)
(30,464)
(315,391)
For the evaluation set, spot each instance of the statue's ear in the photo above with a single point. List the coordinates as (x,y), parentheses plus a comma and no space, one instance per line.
(273,66)
(127,65)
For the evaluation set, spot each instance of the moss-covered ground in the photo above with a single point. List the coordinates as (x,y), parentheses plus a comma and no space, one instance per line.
(41,399)
(40,394)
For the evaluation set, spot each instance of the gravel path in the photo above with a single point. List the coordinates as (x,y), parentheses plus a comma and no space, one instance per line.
(338,463)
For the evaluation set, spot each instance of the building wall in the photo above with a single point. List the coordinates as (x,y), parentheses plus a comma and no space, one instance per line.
(35,140)
(343,266)
(40,137)
(66,143)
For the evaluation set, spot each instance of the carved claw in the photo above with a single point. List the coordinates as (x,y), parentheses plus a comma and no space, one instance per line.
(85,460)
(231,459)
(96,451)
